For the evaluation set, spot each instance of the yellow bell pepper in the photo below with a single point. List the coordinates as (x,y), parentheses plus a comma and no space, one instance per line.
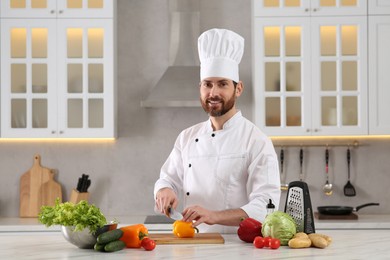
(132,235)
(184,229)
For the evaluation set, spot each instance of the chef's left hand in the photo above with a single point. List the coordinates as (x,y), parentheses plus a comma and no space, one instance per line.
(199,215)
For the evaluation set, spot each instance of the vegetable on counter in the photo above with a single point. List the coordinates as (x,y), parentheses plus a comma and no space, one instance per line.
(279,225)
(81,215)
(303,240)
(133,235)
(148,244)
(184,229)
(249,229)
(109,236)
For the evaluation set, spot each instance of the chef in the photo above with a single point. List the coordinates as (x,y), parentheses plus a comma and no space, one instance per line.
(223,169)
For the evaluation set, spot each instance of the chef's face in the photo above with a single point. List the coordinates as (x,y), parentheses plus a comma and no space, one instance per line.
(218,95)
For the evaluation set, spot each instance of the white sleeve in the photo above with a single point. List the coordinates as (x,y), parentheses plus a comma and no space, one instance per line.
(171,173)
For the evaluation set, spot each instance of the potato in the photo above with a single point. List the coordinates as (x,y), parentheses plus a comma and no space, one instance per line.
(327,238)
(299,242)
(318,240)
(301,235)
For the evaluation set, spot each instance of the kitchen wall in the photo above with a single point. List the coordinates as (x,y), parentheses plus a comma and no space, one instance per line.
(123,172)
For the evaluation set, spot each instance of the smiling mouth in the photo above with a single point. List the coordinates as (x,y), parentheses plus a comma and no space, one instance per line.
(214,102)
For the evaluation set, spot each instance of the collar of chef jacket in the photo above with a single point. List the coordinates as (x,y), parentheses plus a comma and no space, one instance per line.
(237,116)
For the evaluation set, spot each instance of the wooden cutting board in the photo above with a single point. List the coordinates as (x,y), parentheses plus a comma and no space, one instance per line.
(51,190)
(31,184)
(199,238)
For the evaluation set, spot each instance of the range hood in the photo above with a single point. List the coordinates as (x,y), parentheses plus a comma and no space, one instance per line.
(178,87)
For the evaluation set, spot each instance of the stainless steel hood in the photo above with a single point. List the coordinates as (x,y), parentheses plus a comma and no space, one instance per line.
(179,85)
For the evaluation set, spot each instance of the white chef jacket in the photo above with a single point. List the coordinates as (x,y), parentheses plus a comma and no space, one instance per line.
(235,167)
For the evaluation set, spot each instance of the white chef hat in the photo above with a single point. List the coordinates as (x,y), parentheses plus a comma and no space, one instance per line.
(220,52)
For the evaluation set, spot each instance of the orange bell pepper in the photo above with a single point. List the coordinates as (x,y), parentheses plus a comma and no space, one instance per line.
(132,235)
(184,229)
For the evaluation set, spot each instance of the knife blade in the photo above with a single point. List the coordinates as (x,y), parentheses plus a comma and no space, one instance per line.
(174,214)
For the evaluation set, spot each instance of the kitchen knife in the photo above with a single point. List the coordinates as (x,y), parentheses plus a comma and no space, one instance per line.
(79,184)
(174,214)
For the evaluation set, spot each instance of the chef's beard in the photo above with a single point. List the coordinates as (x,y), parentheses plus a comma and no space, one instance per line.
(225,106)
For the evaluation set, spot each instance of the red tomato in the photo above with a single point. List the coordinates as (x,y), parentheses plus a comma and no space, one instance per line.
(274,243)
(148,244)
(267,241)
(258,242)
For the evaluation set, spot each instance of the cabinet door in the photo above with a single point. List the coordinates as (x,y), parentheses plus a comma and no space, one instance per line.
(271,8)
(28,8)
(28,83)
(379,55)
(379,7)
(57,8)
(86,78)
(85,8)
(339,75)
(282,75)
(338,7)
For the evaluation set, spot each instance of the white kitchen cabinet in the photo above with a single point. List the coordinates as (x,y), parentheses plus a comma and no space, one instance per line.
(378,7)
(310,75)
(57,8)
(272,8)
(57,78)
(379,71)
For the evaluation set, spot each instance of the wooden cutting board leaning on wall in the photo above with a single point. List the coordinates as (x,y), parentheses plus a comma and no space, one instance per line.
(37,188)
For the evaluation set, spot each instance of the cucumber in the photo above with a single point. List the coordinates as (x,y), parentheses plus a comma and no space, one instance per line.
(109,236)
(99,247)
(114,246)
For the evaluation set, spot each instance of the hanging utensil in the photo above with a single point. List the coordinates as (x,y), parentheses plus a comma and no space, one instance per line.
(328,189)
(284,185)
(349,189)
(301,164)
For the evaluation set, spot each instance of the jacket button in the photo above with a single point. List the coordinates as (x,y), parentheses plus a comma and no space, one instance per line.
(189,165)
(188,194)
(212,134)
(196,140)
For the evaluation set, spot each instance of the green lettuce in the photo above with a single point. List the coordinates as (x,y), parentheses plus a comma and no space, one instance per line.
(279,225)
(81,215)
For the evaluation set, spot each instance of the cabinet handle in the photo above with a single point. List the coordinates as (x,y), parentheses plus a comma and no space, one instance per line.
(61,11)
(306,10)
(307,130)
(53,132)
(61,132)
(52,11)
(316,130)
(315,10)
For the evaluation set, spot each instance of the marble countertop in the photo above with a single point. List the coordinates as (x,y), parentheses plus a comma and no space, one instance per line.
(347,244)
(367,237)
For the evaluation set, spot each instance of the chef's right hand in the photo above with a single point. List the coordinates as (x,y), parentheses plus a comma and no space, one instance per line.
(166,198)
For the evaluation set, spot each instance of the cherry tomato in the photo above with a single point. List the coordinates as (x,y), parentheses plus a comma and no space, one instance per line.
(266,241)
(274,243)
(148,244)
(258,242)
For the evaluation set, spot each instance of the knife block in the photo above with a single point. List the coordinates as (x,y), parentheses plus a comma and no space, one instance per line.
(76,196)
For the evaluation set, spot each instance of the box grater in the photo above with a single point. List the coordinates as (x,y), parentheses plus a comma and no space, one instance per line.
(298,206)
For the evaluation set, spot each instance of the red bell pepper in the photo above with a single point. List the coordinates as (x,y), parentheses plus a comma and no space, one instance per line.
(249,229)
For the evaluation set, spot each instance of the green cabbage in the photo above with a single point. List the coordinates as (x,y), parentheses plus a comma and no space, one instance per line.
(279,225)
